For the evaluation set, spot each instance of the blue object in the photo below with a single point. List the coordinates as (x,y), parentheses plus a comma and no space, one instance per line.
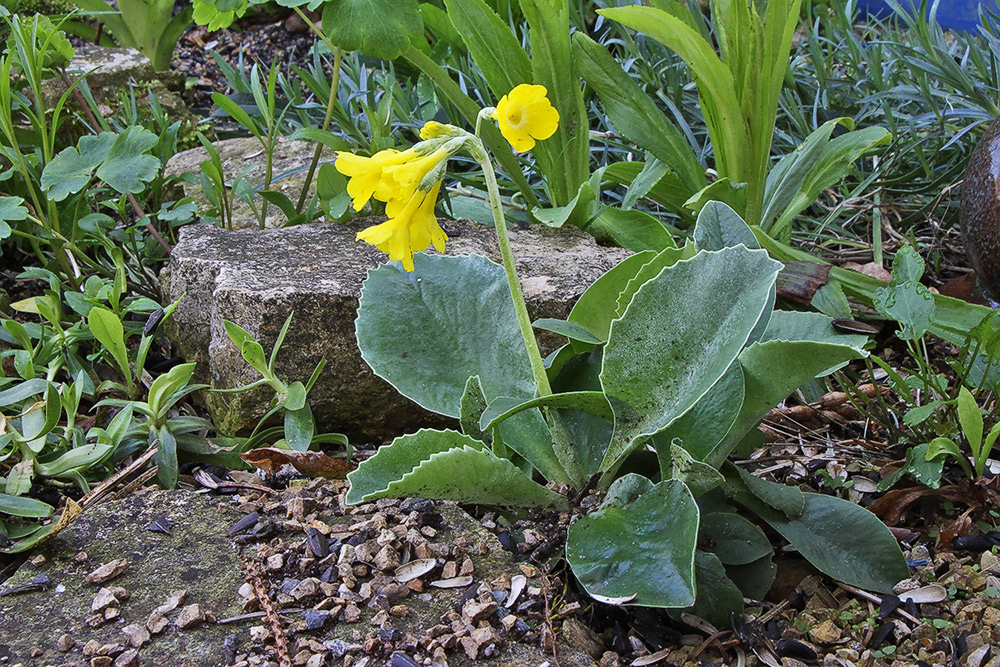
(958,15)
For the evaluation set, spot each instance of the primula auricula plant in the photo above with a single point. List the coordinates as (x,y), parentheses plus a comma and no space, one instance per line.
(409,181)
(673,359)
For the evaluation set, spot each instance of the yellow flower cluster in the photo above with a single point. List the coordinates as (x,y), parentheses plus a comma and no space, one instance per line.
(398,179)
(409,181)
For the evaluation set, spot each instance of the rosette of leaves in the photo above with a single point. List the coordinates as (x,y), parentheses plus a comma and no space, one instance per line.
(673,359)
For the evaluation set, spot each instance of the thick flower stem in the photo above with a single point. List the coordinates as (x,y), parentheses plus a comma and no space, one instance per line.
(561,444)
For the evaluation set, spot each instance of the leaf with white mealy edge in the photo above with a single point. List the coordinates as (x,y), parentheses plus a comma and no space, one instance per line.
(446,465)
(426,332)
(591,310)
(719,600)
(645,548)
(126,168)
(378,28)
(772,370)
(678,336)
(405,453)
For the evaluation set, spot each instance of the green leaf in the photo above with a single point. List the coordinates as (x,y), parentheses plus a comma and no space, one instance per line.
(566,328)
(842,540)
(648,271)
(19,478)
(505,407)
(699,477)
(704,426)
(78,458)
(719,226)
(716,84)
(250,349)
(563,158)
(125,168)
(392,462)
(719,600)
(29,508)
(427,331)
(645,549)
(296,397)
(237,113)
(11,210)
(635,230)
(971,419)
(166,385)
(591,311)
(631,111)
(299,428)
(817,164)
(925,462)
(166,458)
(733,539)
(494,48)
(578,209)
(792,325)
(771,371)
(753,579)
(472,407)
(70,171)
(378,28)
(909,303)
(679,334)
(781,497)
(107,329)
(449,466)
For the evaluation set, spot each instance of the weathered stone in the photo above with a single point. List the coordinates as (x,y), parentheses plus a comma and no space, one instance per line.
(255,278)
(197,557)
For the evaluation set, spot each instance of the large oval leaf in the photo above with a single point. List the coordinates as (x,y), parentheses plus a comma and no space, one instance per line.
(428,331)
(678,336)
(446,465)
(842,540)
(644,549)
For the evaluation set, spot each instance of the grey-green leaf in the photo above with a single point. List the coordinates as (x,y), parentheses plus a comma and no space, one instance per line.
(450,466)
(645,549)
(678,336)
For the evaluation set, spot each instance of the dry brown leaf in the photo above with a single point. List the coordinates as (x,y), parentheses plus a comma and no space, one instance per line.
(310,464)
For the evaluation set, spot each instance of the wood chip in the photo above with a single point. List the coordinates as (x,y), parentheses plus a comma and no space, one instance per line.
(517,584)
(454,582)
(651,659)
(414,569)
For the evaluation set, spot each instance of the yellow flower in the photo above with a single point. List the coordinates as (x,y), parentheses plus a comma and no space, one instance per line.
(411,227)
(367,174)
(525,115)
(400,180)
(433,129)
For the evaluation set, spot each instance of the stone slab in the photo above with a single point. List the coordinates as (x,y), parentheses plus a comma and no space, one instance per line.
(255,278)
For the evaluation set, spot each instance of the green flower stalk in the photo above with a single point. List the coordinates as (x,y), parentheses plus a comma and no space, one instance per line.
(408,182)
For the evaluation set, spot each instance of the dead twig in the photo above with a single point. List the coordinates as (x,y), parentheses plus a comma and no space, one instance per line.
(255,577)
